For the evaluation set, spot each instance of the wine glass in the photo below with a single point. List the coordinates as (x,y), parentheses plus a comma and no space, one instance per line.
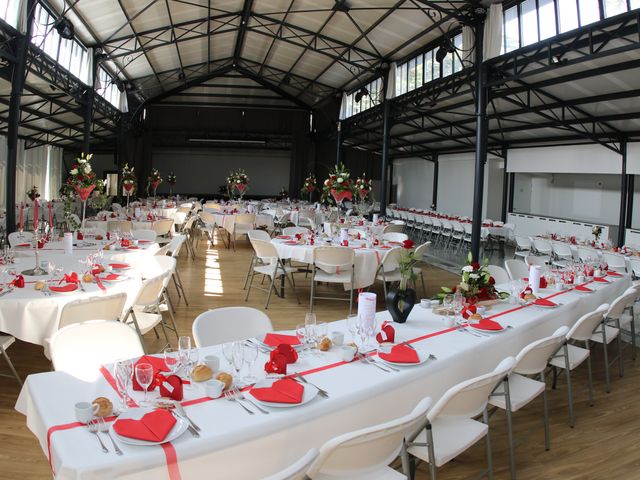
(301,333)
(184,345)
(352,325)
(173,359)
(144,375)
(447,303)
(237,357)
(227,351)
(250,355)
(123,373)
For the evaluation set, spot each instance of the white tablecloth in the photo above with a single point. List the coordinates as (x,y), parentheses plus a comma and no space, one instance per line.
(235,445)
(366,266)
(135,225)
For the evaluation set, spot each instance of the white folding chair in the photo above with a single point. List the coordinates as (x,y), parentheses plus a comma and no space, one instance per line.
(571,356)
(543,248)
(615,261)
(518,389)
(16,239)
(292,231)
(535,260)
(499,274)
(298,470)
(395,237)
(271,265)
(123,226)
(242,225)
(333,265)
(163,227)
(388,271)
(228,324)
(5,342)
(394,228)
(587,254)
(144,234)
(81,349)
(562,253)
(516,269)
(451,428)
(366,454)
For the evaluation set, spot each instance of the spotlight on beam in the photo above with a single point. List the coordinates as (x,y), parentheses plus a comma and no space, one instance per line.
(64,28)
(341,6)
(445,47)
(361,93)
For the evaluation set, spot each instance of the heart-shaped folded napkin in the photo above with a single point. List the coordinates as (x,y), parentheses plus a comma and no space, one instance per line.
(69,287)
(600,279)
(486,324)
(275,339)
(171,387)
(386,334)
(281,391)
(119,266)
(152,427)
(284,237)
(401,354)
(543,302)
(582,288)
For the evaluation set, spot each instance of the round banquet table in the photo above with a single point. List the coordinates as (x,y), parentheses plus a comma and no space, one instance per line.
(366,262)
(135,224)
(31,316)
(360,395)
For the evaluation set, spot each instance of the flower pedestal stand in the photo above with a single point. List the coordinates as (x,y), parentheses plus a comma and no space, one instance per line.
(37,270)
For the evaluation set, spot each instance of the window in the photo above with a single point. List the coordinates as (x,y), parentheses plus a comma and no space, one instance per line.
(10,12)
(547,18)
(614,7)
(589,11)
(511,29)
(567,15)
(108,88)
(351,107)
(529,22)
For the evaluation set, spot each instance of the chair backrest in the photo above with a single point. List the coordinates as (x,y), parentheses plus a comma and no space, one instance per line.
(179,217)
(119,225)
(81,349)
(209,219)
(635,266)
(228,324)
(534,357)
(176,244)
(586,324)
(144,234)
(622,302)
(587,254)
(107,307)
(391,259)
(245,219)
(163,227)
(516,269)
(523,242)
(614,260)
(330,258)
(16,239)
(542,246)
(151,288)
(421,250)
(562,250)
(265,250)
(354,454)
(469,398)
(259,235)
(394,237)
(499,274)
(116,207)
(533,260)
(291,231)
(394,227)
(298,470)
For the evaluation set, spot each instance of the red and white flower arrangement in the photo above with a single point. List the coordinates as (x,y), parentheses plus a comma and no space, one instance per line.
(238,180)
(310,185)
(339,185)
(128,179)
(81,176)
(154,179)
(363,187)
(33,193)
(171,179)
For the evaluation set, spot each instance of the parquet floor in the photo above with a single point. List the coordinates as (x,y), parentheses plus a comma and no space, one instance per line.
(603,445)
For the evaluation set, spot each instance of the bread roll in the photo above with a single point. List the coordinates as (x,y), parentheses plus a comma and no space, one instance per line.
(225,378)
(530,296)
(475,317)
(87,278)
(325,344)
(105,407)
(201,373)
(39,285)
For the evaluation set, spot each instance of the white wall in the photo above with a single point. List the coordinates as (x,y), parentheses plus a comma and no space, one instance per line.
(414,180)
(565,159)
(203,171)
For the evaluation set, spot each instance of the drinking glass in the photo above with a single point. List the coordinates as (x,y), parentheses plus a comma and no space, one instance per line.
(144,375)
(310,324)
(237,357)
(301,333)
(322,330)
(123,373)
(173,359)
(447,302)
(250,355)
(227,351)
(352,325)
(189,357)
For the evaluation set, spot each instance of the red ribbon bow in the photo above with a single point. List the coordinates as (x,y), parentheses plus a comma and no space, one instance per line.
(468,311)
(73,278)
(279,358)
(124,242)
(18,281)
(298,236)
(387,333)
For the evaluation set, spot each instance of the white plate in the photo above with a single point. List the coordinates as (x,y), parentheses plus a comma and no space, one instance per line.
(487,331)
(584,292)
(178,429)
(260,339)
(422,355)
(309,394)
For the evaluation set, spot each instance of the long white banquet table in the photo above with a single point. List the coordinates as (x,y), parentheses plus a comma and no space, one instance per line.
(236,445)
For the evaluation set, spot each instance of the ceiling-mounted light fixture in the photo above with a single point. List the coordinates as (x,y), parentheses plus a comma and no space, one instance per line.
(64,28)
(445,48)
(361,93)
(181,75)
(341,6)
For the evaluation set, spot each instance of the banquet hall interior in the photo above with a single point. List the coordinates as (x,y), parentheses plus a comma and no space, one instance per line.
(319,239)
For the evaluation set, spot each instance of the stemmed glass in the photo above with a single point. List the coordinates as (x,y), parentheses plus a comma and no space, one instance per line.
(227,351)
(173,359)
(352,325)
(250,355)
(123,373)
(310,324)
(301,333)
(144,375)
(237,357)
(189,355)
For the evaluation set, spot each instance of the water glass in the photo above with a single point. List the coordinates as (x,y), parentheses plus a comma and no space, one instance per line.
(123,373)
(250,355)
(173,359)
(144,375)
(237,357)
(352,325)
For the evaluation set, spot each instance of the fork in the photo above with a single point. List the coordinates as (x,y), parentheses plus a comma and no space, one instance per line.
(183,413)
(364,359)
(231,397)
(93,428)
(321,392)
(240,396)
(386,365)
(104,428)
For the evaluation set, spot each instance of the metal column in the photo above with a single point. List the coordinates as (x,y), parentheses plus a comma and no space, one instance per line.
(481,138)
(436,167)
(19,73)
(624,191)
(384,189)
(338,142)
(505,186)
(630,194)
(89,97)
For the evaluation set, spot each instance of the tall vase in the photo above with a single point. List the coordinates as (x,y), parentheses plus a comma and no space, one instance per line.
(83,193)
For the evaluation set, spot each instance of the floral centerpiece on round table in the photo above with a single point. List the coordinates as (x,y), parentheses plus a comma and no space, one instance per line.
(596,231)
(128,179)
(154,179)
(33,193)
(239,181)
(310,185)
(476,285)
(81,176)
(171,180)
(363,187)
(339,184)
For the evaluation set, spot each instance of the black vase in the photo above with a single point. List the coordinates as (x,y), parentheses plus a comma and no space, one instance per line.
(408,298)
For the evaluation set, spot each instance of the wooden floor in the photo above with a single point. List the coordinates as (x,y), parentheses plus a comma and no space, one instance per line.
(603,445)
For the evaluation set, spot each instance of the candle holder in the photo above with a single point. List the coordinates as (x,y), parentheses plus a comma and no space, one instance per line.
(37,270)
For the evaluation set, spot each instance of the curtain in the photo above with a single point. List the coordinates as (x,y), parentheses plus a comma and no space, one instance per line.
(391,81)
(123,103)
(32,170)
(343,107)
(468,46)
(56,170)
(493,31)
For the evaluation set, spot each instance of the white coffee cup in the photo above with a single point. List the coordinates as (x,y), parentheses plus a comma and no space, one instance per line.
(337,338)
(85,411)
(212,362)
(347,352)
(425,303)
(214,388)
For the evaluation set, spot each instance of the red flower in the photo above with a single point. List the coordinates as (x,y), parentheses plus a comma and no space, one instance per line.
(333,177)
(492,281)
(475,266)
(408,244)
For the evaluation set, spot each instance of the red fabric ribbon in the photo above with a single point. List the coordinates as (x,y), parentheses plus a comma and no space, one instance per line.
(72,278)
(18,281)
(468,311)
(99,283)
(387,333)
(279,358)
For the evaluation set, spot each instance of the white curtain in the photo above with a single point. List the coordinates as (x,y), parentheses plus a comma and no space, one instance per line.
(468,46)
(123,103)
(32,171)
(493,31)
(343,107)
(391,81)
(56,169)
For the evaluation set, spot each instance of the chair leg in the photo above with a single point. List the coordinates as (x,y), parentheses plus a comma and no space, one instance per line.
(485,419)
(512,450)
(589,374)
(313,290)
(10,363)
(246,297)
(545,406)
(290,280)
(173,319)
(632,328)
(175,284)
(246,279)
(606,358)
(432,453)
(181,285)
(620,361)
(572,420)
(137,327)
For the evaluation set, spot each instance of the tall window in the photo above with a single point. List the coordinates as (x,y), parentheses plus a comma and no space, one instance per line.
(108,88)
(372,98)
(10,12)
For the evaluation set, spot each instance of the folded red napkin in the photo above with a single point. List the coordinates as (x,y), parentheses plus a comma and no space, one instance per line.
(486,324)
(158,366)
(71,278)
(600,279)
(171,387)
(614,274)
(281,391)
(279,358)
(291,243)
(69,287)
(119,266)
(543,302)
(582,288)
(153,427)
(275,339)
(23,245)
(110,277)
(284,237)
(18,281)
(144,241)
(401,354)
